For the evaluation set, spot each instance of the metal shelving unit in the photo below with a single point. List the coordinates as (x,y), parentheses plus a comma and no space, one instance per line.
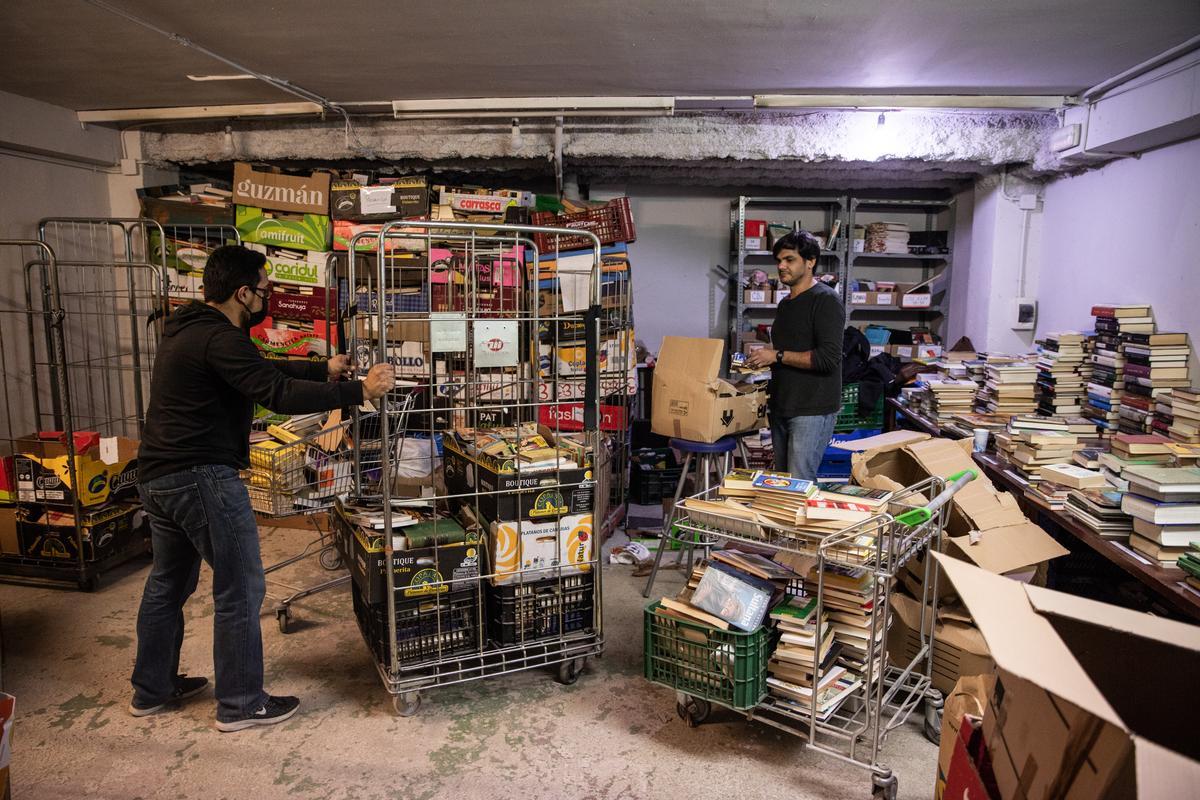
(924,265)
(831,208)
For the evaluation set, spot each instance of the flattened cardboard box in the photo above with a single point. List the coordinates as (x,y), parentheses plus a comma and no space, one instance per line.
(301,194)
(692,402)
(958,648)
(1091,700)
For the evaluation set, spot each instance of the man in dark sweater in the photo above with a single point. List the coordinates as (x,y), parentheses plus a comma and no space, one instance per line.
(207,377)
(805,359)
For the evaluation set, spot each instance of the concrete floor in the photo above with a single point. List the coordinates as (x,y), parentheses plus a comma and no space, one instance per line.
(611,735)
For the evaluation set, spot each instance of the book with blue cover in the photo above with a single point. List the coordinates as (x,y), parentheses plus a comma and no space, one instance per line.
(785,485)
(739,599)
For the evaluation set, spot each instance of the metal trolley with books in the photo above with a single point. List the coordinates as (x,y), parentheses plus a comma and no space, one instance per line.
(787,622)
(482,494)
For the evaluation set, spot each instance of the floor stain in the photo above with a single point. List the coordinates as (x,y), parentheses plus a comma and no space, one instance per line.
(70,712)
(120,641)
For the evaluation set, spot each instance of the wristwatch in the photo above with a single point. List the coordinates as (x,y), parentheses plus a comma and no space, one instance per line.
(778,356)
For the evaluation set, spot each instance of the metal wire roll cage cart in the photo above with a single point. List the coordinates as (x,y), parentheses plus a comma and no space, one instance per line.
(500,482)
(887,693)
(93,306)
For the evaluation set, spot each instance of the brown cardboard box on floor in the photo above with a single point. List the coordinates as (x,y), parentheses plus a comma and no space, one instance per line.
(692,402)
(1091,700)
(958,647)
(968,696)
(10,543)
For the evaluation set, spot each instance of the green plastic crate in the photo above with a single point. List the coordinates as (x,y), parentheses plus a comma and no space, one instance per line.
(726,667)
(849,419)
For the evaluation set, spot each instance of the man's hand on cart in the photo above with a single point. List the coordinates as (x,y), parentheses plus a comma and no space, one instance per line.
(379,381)
(340,368)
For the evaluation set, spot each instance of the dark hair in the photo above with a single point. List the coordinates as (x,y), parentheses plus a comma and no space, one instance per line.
(803,242)
(229,268)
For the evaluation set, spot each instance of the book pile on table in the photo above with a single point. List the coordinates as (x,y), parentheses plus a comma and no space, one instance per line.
(1063,373)
(1009,388)
(965,424)
(1031,442)
(1184,426)
(1100,510)
(1189,562)
(1104,391)
(949,396)
(1155,363)
(886,237)
(1130,450)
(1165,505)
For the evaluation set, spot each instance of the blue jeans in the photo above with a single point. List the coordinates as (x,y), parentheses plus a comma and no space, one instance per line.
(202,512)
(800,442)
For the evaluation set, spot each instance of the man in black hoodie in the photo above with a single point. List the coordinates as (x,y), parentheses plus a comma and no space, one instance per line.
(207,377)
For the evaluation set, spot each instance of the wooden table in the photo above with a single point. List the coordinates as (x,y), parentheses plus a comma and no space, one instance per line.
(1167,584)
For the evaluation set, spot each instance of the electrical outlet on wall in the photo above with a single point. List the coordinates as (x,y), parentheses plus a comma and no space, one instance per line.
(1024,313)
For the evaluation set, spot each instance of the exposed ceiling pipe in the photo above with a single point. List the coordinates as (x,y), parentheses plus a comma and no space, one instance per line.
(1142,68)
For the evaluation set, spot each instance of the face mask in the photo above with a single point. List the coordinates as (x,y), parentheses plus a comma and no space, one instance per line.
(256,317)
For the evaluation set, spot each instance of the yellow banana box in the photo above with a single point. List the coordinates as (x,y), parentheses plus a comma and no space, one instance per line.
(534,550)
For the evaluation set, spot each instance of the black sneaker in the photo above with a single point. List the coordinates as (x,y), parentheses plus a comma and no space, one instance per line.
(276,709)
(185,687)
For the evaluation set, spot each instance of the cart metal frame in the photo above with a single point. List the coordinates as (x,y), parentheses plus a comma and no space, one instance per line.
(856,731)
(566,651)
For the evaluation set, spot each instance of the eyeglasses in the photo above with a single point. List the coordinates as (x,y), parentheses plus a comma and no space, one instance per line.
(263,292)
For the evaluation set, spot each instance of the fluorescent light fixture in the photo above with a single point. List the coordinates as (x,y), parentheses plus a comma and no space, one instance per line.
(198,112)
(239,77)
(534,107)
(886,101)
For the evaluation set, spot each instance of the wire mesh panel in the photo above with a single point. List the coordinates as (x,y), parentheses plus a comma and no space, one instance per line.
(68,507)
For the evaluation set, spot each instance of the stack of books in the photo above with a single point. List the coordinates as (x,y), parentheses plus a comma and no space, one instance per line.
(1100,510)
(1165,505)
(1164,413)
(1031,442)
(1010,388)
(1063,373)
(1185,415)
(950,396)
(1104,391)
(1154,364)
(847,595)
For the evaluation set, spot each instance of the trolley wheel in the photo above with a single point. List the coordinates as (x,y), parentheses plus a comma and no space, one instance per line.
(884,787)
(330,559)
(933,717)
(569,671)
(91,583)
(406,704)
(693,711)
(283,615)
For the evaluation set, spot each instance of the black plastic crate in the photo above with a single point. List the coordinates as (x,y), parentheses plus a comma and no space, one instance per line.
(427,629)
(648,482)
(525,612)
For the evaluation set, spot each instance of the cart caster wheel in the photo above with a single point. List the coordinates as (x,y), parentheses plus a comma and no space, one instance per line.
(330,559)
(283,615)
(694,711)
(568,671)
(407,704)
(884,788)
(89,584)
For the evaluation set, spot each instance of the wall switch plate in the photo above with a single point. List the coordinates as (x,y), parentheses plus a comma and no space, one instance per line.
(1024,313)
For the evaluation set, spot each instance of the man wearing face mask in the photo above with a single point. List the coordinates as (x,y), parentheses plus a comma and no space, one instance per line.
(207,377)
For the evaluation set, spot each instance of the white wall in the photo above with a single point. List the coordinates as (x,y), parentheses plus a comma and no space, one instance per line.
(1126,233)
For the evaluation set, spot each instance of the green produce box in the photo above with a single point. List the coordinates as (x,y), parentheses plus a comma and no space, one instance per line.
(298,231)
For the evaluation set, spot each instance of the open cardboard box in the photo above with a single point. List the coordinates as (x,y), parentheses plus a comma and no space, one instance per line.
(958,647)
(1091,700)
(692,402)
(985,526)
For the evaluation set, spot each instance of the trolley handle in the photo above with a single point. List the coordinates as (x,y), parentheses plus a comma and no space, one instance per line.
(918,516)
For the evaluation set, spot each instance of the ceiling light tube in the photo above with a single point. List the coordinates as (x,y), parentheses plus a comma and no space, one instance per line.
(198,112)
(886,101)
(533,107)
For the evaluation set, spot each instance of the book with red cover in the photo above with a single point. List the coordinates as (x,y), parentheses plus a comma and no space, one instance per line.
(821,508)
